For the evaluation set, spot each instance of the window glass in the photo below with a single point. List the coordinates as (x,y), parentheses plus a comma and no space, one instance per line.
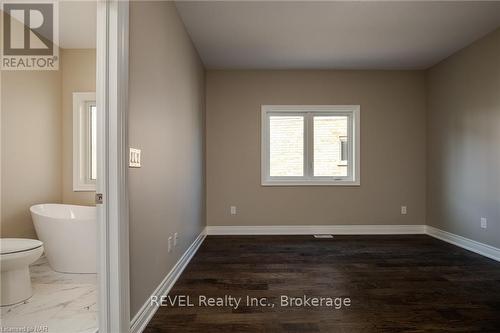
(328,154)
(93,142)
(286,146)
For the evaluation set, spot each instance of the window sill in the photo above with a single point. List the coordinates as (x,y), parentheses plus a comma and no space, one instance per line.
(310,183)
(84,188)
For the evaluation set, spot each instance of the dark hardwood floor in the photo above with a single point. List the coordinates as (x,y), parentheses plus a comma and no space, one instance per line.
(409,283)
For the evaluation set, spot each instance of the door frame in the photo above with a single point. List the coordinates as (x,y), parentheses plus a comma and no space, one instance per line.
(112,214)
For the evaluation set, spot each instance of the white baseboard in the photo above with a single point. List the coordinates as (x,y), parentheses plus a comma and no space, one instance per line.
(142,318)
(317,229)
(466,243)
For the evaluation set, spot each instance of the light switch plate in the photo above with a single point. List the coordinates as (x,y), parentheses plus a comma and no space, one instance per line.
(134,158)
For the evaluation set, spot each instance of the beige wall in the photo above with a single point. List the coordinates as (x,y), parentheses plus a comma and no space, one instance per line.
(463,136)
(37,136)
(166,92)
(31,146)
(78,75)
(392,148)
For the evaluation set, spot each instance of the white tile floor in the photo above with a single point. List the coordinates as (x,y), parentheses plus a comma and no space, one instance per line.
(61,303)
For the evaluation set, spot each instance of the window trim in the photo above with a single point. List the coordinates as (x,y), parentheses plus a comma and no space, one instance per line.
(81,138)
(353,178)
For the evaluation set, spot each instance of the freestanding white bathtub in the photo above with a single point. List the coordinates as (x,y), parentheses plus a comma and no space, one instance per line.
(69,235)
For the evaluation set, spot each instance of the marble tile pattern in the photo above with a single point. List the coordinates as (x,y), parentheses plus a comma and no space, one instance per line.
(61,303)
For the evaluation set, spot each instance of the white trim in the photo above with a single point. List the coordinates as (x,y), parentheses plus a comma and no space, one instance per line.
(317,229)
(112,215)
(81,137)
(354,135)
(147,311)
(465,243)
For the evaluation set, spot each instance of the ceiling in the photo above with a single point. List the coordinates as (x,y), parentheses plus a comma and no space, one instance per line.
(333,34)
(77,24)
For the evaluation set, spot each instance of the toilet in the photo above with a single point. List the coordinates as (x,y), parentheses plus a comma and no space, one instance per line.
(16,254)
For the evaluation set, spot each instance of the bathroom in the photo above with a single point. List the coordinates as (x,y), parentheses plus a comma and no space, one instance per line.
(49,168)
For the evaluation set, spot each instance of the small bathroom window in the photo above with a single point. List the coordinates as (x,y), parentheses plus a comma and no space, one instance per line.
(84,141)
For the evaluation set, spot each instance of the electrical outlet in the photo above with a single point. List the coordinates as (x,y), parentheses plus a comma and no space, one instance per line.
(403,210)
(233,210)
(169,243)
(484,222)
(175,239)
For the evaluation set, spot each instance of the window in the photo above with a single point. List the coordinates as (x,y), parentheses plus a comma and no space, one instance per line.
(310,145)
(286,146)
(84,141)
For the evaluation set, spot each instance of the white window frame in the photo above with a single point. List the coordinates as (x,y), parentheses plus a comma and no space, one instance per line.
(308,111)
(81,142)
